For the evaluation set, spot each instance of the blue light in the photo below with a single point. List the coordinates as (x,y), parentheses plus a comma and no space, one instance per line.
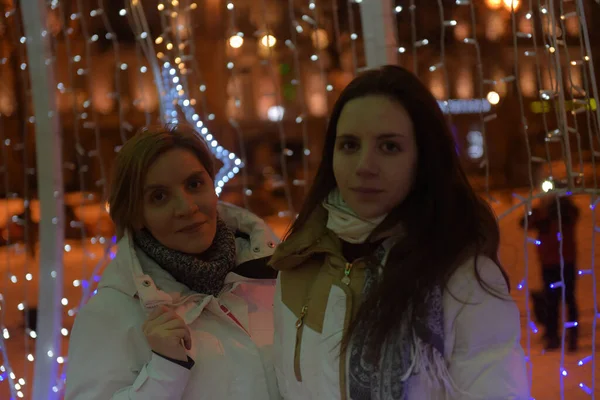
(469,106)
(585,360)
(177,105)
(585,388)
(533,327)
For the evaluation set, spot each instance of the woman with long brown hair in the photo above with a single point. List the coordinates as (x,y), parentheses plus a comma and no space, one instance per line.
(390,285)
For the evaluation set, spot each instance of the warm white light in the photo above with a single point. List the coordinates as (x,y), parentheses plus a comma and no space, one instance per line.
(547,186)
(275,113)
(494,4)
(509,4)
(268,40)
(236,41)
(493,97)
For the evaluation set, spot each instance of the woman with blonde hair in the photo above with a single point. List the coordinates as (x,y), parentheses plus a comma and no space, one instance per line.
(184,311)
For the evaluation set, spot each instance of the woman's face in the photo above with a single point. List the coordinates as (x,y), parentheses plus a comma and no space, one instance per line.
(375,155)
(180,203)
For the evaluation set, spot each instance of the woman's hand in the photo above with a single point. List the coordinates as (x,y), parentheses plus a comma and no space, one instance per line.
(167,334)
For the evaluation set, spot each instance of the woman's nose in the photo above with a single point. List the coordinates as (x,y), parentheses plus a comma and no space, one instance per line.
(367,164)
(185,205)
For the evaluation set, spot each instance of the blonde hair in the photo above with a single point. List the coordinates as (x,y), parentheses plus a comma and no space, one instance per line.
(132,163)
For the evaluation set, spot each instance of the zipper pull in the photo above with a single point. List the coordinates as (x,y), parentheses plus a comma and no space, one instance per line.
(300,320)
(346,278)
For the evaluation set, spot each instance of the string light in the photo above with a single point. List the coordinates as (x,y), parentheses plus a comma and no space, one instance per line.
(354,36)
(235,42)
(278,107)
(297,81)
(176,92)
(548,185)
(172,60)
(413,36)
(483,119)
(21,153)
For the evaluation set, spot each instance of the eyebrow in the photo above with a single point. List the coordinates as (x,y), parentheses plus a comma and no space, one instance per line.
(155,186)
(382,136)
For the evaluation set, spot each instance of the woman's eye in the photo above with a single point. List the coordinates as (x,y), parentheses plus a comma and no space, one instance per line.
(390,147)
(348,146)
(158,197)
(195,184)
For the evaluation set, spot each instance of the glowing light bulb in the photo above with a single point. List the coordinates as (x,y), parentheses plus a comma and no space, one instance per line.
(493,97)
(509,4)
(268,41)
(236,41)
(547,186)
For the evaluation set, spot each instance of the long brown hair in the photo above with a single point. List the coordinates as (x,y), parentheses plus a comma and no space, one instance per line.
(445,221)
(133,161)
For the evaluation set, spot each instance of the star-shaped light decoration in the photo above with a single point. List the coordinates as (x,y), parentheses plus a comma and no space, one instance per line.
(176,104)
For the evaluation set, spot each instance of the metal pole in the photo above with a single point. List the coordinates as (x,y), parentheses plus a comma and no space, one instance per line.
(50,190)
(379,32)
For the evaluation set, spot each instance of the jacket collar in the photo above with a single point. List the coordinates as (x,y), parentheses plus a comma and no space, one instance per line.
(315,238)
(254,241)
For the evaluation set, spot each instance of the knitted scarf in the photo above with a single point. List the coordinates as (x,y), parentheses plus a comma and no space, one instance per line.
(412,349)
(204,273)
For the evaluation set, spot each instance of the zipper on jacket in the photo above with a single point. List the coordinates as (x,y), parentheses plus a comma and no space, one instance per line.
(297,347)
(233,318)
(347,270)
(300,322)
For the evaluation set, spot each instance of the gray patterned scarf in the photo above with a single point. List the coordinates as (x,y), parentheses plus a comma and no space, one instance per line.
(203,274)
(416,349)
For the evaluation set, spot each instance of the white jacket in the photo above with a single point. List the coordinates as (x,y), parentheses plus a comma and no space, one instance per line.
(482,346)
(109,357)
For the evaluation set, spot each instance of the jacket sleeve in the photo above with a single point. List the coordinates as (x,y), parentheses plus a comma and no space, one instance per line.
(487,361)
(104,346)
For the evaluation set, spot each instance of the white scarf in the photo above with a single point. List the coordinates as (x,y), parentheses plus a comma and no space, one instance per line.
(345,223)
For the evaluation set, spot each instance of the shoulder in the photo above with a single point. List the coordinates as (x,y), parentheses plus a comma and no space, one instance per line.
(477,303)
(483,333)
(109,309)
(476,278)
